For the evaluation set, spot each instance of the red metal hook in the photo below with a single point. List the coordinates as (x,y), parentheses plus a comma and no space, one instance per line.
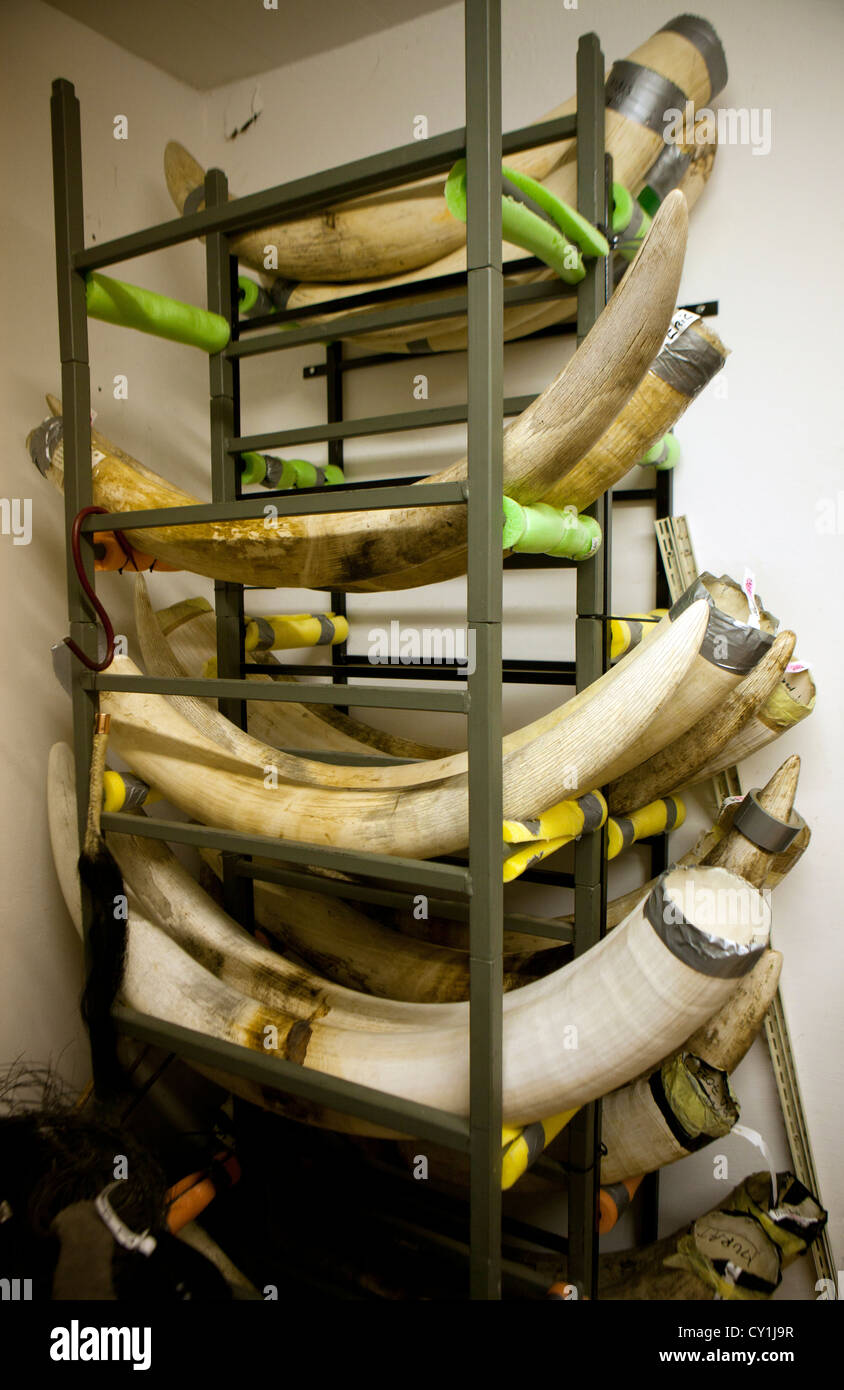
(75,550)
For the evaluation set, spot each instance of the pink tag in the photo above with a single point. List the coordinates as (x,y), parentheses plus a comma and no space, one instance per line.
(794,666)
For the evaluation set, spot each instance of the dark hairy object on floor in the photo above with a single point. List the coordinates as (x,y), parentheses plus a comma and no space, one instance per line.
(54,1164)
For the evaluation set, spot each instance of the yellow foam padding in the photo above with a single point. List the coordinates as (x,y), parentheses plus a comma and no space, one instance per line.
(532,853)
(566,818)
(522,1144)
(627,632)
(667,813)
(298,630)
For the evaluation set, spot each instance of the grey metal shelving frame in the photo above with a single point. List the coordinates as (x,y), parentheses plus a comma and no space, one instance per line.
(474,890)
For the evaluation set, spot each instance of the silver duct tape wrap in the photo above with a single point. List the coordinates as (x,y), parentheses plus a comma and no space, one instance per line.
(44,441)
(327,630)
(509,190)
(708,955)
(762,829)
(136,791)
(266,635)
(642,95)
(667,171)
(627,828)
(701,33)
(688,363)
(726,643)
(593,811)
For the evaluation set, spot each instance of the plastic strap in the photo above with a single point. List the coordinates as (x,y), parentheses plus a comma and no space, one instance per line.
(762,829)
(642,95)
(701,33)
(141,1241)
(708,955)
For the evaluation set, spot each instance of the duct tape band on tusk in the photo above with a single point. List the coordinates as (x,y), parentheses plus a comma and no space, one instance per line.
(764,830)
(664,175)
(685,1088)
(688,364)
(43,442)
(708,955)
(726,643)
(642,95)
(701,33)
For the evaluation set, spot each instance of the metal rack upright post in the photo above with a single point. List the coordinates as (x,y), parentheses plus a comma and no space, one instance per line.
(479,881)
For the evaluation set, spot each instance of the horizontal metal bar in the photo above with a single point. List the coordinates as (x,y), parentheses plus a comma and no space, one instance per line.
(364,696)
(515,561)
(421,289)
(421,872)
(454,909)
(514,672)
(634,494)
(275,1073)
(400,315)
(376,424)
(329,499)
(404,164)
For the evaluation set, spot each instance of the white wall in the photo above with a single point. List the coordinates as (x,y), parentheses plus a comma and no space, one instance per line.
(757,462)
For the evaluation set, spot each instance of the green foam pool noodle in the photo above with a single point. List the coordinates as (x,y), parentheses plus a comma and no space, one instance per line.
(664,454)
(541,529)
(129,306)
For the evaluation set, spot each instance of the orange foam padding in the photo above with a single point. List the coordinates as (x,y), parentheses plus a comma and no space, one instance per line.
(613,1203)
(109,554)
(191,1195)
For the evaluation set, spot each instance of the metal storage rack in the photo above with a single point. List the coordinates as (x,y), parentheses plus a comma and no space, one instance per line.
(474,889)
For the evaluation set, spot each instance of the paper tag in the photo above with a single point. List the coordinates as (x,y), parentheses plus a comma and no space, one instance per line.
(680,320)
(97,456)
(749,586)
(794,666)
(732,800)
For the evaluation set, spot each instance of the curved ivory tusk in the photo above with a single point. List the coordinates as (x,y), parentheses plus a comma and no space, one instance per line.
(675,765)
(710,679)
(600,730)
(190,630)
(658,976)
(791,701)
(393,231)
(404,547)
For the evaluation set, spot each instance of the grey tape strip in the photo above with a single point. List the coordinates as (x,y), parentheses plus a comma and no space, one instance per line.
(593,811)
(319,480)
(688,364)
(327,629)
(732,646)
(193,200)
(43,442)
(762,829)
(635,629)
(670,813)
(275,470)
(667,170)
(266,635)
(281,290)
(534,1137)
(708,955)
(642,95)
(627,828)
(510,190)
(136,792)
(701,33)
